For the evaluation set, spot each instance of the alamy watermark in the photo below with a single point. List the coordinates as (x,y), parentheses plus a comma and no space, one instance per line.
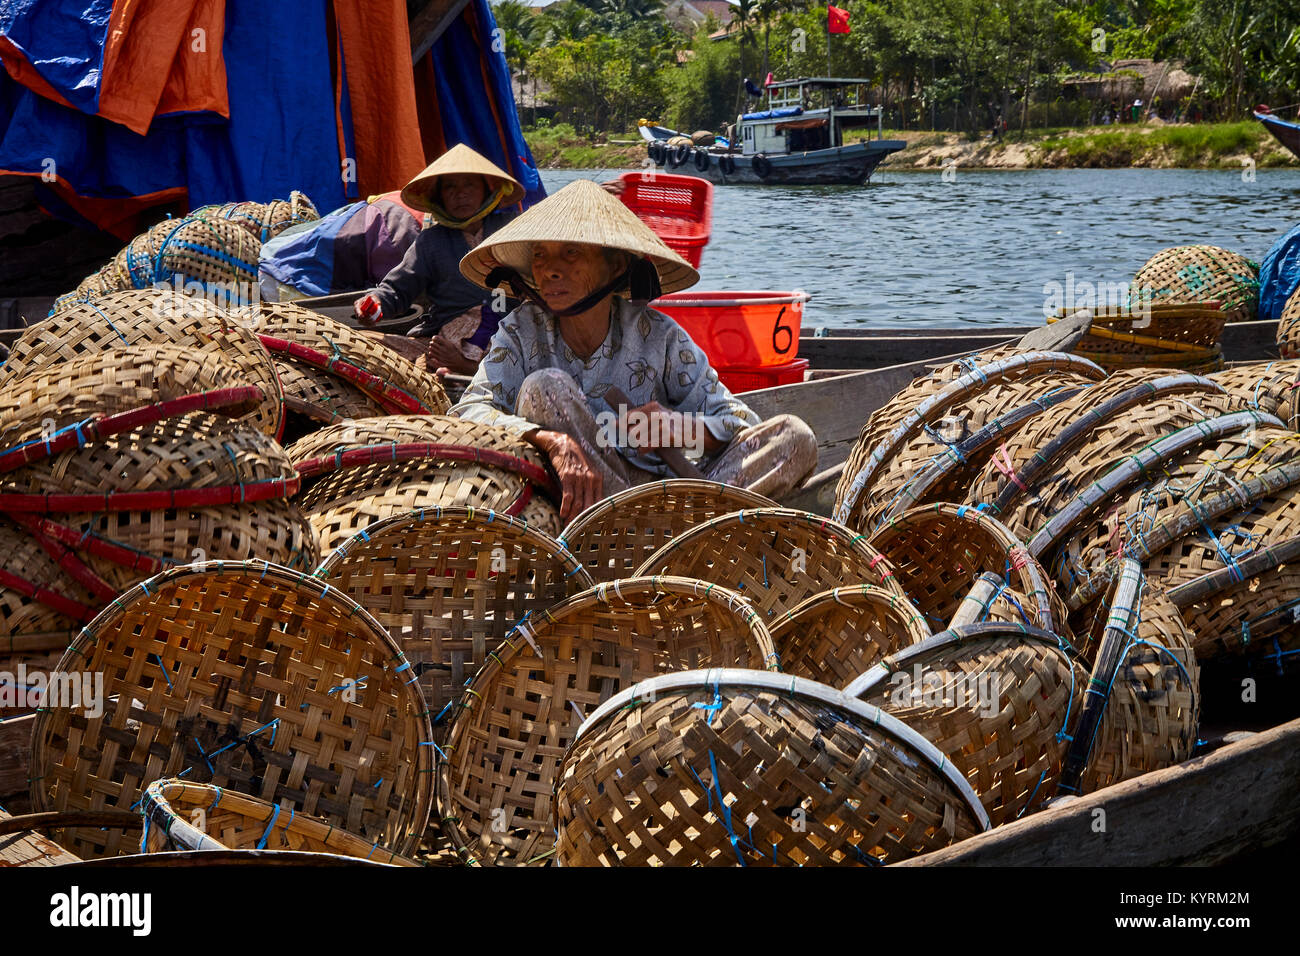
(1074,294)
(30,690)
(981,692)
(633,428)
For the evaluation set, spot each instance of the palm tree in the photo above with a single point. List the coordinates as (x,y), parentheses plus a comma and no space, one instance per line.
(743,15)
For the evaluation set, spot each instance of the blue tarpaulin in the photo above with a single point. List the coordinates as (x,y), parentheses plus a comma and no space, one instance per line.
(1279,275)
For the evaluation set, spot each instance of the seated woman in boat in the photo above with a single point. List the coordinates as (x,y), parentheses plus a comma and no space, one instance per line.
(470,199)
(584,341)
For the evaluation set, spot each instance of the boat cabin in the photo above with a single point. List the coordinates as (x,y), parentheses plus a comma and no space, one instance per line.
(808,114)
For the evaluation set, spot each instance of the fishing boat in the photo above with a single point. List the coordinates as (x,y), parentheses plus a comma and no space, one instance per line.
(803,138)
(1288,134)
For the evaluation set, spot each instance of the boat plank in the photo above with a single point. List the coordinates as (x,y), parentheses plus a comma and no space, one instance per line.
(32,849)
(15,752)
(1205,811)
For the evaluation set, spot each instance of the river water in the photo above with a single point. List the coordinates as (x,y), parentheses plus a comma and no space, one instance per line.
(979,247)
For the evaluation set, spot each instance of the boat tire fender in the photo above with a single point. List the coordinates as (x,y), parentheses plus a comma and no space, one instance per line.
(762,166)
(701,160)
(657,153)
(727,164)
(679,155)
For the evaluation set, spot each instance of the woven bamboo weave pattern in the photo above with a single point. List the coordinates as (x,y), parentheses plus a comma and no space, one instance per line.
(615,536)
(774,557)
(727,768)
(1188,274)
(520,712)
(449,584)
(231,820)
(997,699)
(835,635)
(250,677)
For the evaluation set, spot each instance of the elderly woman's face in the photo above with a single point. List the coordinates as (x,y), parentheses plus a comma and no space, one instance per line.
(568,272)
(462,194)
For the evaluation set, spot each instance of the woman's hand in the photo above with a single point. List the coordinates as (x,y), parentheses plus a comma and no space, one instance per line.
(580,483)
(368,309)
(664,428)
(443,353)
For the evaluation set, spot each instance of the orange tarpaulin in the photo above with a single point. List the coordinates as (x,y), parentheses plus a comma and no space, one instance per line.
(381,91)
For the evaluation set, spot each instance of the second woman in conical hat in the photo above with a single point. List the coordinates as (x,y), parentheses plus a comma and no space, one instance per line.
(601,383)
(469,199)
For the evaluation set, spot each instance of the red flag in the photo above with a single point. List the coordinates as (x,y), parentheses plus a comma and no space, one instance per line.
(837,20)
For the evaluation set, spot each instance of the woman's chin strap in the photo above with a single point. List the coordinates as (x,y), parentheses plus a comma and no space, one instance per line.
(641,277)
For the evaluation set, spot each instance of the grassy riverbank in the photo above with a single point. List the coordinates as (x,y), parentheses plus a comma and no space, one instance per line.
(1154,146)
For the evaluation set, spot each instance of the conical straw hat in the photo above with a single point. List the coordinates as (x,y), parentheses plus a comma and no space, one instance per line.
(419,192)
(580,212)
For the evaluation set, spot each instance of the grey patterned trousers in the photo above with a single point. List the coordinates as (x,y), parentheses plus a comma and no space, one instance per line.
(771,458)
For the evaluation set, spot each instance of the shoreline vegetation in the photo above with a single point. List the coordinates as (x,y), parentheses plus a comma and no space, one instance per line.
(1143,145)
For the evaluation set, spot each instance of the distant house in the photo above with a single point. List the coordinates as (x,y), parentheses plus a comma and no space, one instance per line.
(1127,80)
(687,15)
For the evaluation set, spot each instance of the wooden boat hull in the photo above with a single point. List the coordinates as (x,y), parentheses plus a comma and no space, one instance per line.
(849,165)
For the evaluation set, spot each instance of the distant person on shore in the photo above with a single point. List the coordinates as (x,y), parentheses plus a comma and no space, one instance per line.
(470,199)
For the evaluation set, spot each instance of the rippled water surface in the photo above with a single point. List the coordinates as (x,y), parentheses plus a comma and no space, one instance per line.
(913,249)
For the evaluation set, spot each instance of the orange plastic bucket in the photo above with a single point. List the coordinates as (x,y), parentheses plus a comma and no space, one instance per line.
(739,329)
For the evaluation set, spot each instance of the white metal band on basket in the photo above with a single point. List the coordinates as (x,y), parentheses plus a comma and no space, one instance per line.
(792,686)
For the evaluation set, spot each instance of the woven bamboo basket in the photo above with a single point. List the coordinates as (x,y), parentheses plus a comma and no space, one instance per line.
(1041,449)
(323,346)
(449,584)
(1288,328)
(617,534)
(948,475)
(733,767)
(263,221)
(247,676)
(1190,496)
(1199,274)
(313,398)
(521,710)
(1084,451)
(1272,387)
(215,254)
(1142,706)
(834,636)
(122,319)
(882,462)
(1051,542)
(774,557)
(1161,335)
(938,551)
(997,699)
(358,472)
(181,815)
(41,606)
(1237,584)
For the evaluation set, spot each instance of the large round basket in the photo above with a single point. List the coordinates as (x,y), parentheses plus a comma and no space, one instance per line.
(897,441)
(775,557)
(1272,387)
(737,767)
(1141,710)
(214,257)
(248,676)
(1288,328)
(835,635)
(180,815)
(521,710)
(120,320)
(449,584)
(1199,274)
(616,535)
(321,346)
(938,551)
(357,472)
(1041,467)
(1160,335)
(997,699)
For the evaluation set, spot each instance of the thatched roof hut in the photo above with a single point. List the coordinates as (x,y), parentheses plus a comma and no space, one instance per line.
(1126,80)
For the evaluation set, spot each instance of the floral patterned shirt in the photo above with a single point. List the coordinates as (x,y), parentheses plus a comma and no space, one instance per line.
(645,353)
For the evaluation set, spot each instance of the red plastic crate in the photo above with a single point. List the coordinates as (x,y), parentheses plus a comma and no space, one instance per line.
(678,209)
(739,379)
(739,329)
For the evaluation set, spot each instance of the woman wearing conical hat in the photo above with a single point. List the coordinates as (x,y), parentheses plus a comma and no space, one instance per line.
(561,364)
(469,198)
